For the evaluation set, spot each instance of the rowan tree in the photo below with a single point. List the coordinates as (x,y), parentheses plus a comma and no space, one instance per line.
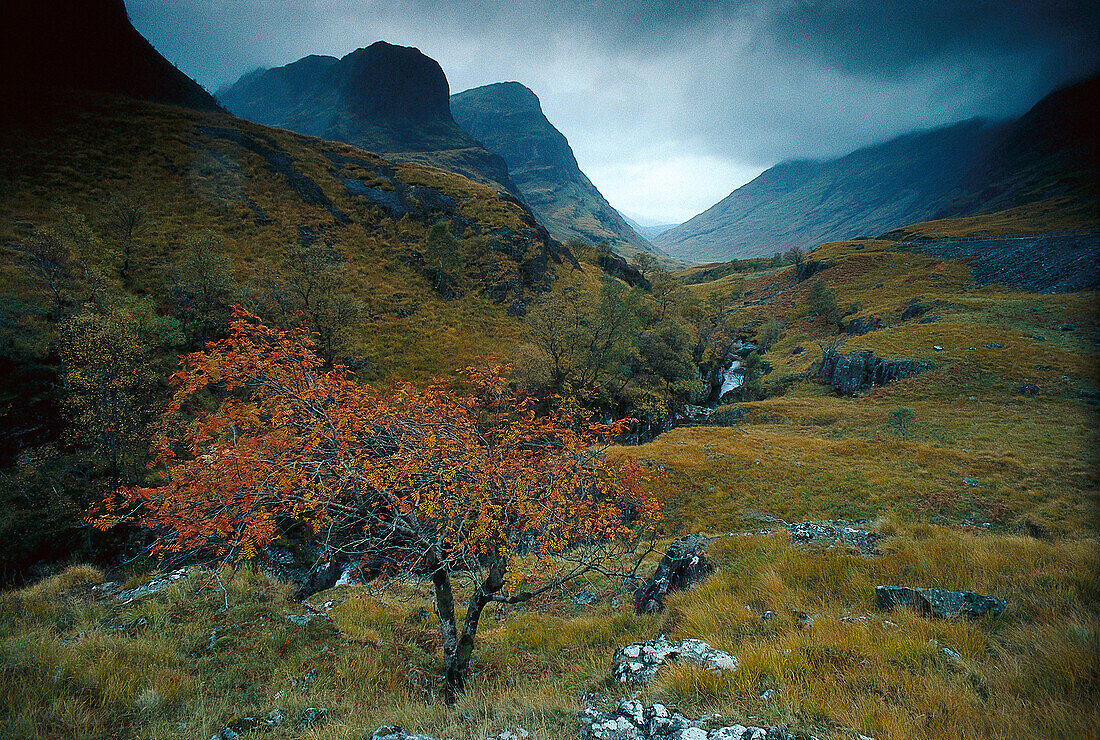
(459,480)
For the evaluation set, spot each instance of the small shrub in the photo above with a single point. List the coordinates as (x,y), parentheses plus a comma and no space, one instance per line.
(901,419)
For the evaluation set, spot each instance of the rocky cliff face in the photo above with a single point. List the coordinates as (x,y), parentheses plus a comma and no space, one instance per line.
(507,118)
(86,45)
(390,99)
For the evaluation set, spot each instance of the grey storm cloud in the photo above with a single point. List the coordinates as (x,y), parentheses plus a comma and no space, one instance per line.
(669,105)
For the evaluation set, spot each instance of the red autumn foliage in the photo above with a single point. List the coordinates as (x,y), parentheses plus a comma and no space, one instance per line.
(459,476)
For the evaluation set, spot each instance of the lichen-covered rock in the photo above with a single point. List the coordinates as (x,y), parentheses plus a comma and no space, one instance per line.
(683,565)
(638,663)
(939,602)
(632,720)
(391,732)
(157,583)
(829,533)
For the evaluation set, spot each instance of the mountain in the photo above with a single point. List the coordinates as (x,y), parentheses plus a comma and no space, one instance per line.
(649,231)
(387,99)
(88,45)
(804,203)
(967,168)
(507,118)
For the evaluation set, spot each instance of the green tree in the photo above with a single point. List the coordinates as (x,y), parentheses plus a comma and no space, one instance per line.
(901,419)
(823,303)
(202,288)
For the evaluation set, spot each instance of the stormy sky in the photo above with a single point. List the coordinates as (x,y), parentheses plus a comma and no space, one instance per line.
(671,104)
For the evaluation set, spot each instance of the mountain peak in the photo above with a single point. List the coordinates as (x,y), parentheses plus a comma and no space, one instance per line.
(511,97)
(387,81)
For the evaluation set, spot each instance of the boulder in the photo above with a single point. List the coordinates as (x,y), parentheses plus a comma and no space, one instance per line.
(857,327)
(632,720)
(391,732)
(851,373)
(939,602)
(683,565)
(639,663)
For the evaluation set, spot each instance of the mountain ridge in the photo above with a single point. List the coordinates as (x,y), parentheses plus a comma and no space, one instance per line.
(389,99)
(507,118)
(969,167)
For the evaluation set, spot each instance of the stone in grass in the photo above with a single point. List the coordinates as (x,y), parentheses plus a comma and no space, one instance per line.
(639,663)
(939,602)
(311,717)
(391,732)
(683,565)
(632,720)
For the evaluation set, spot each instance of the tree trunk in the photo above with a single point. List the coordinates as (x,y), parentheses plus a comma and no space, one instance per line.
(457,653)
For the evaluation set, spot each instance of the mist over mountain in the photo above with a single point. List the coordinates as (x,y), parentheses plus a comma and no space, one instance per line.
(94,47)
(385,98)
(975,166)
(507,118)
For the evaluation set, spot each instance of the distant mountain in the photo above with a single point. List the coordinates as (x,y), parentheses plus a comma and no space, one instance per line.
(651,231)
(804,203)
(507,118)
(86,45)
(971,167)
(388,99)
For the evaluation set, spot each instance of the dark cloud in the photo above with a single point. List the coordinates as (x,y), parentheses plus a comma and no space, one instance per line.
(700,95)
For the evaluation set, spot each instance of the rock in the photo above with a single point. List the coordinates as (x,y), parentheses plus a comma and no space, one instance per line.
(768,695)
(693,414)
(391,732)
(512,733)
(1028,389)
(930,319)
(994,345)
(584,598)
(972,482)
(937,348)
(299,619)
(849,374)
(829,533)
(158,583)
(858,327)
(638,663)
(634,721)
(938,602)
(311,716)
(914,309)
(797,350)
(683,565)
(226,734)
(1066,327)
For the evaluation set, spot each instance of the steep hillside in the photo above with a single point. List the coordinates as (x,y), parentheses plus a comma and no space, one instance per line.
(296,229)
(387,99)
(507,118)
(803,203)
(88,44)
(1049,154)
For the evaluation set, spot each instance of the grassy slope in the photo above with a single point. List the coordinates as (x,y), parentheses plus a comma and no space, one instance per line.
(190,180)
(68,671)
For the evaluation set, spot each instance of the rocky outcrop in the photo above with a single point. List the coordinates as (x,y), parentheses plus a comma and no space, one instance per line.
(638,663)
(684,564)
(863,325)
(830,533)
(851,373)
(632,720)
(938,602)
